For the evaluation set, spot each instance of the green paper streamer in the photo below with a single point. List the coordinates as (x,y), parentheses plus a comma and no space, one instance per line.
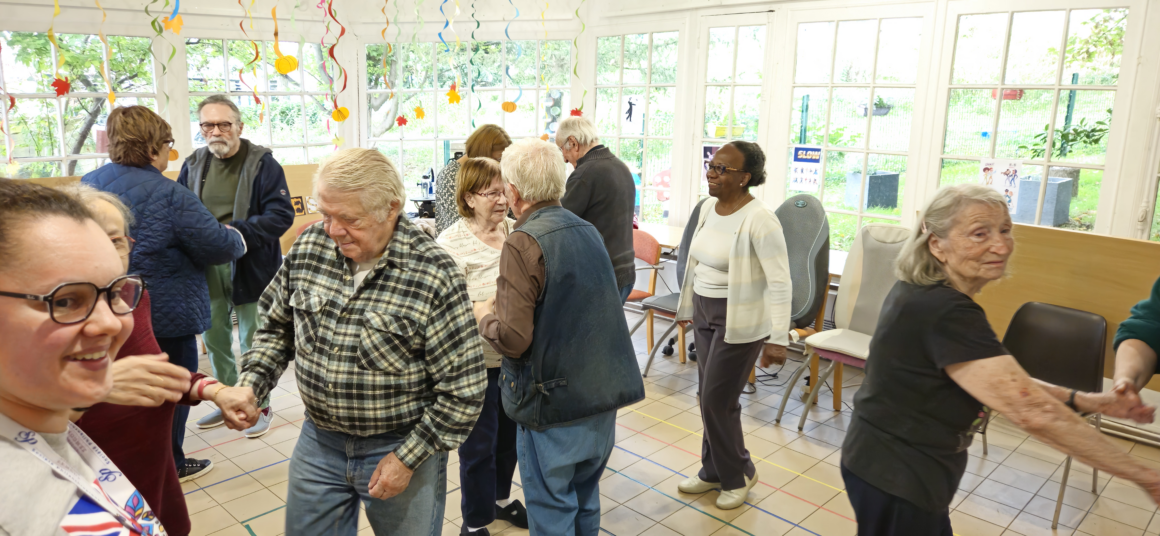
(576,60)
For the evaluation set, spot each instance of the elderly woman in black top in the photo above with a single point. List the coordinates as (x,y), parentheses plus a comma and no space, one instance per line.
(935,362)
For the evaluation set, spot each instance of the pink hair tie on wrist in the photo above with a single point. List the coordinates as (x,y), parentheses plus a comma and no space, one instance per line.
(201,385)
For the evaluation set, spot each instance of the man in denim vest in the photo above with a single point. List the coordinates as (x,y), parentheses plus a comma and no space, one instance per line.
(569,361)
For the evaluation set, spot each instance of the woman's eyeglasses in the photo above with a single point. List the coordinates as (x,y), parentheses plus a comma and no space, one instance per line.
(491,196)
(72,303)
(718,169)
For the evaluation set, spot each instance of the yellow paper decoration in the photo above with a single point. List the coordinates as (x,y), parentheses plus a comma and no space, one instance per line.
(509,107)
(13,167)
(453,96)
(173,155)
(284,64)
(338,141)
(419,113)
(173,25)
(340,114)
(544,137)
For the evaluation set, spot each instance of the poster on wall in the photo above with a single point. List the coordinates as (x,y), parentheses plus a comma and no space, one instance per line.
(805,172)
(1003,176)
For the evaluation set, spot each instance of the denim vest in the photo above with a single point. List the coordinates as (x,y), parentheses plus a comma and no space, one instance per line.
(581,361)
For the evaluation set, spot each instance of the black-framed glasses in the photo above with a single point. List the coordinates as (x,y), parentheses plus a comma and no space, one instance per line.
(224,128)
(72,303)
(719,169)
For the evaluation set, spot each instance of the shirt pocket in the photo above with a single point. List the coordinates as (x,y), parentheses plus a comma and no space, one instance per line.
(386,343)
(307,317)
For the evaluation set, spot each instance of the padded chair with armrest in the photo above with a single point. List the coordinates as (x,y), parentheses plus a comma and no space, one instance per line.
(866,280)
(1064,347)
(647,249)
(667,305)
(807,241)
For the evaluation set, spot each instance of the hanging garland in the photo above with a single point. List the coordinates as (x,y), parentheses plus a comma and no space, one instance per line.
(475,71)
(112,97)
(173,22)
(253,64)
(577,112)
(60,85)
(284,64)
(340,113)
(387,50)
(510,106)
(449,22)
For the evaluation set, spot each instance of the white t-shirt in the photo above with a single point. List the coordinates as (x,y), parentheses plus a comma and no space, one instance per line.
(34,499)
(479,263)
(361,269)
(711,246)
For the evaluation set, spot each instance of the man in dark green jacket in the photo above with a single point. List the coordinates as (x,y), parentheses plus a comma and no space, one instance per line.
(1137,341)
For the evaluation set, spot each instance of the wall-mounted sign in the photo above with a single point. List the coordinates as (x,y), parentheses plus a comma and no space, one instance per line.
(299,206)
(805,172)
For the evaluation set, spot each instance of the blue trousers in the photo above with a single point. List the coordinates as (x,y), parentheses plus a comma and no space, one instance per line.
(330,473)
(624,292)
(183,353)
(560,469)
(487,459)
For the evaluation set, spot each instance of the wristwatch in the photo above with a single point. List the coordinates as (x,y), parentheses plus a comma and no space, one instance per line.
(1071,400)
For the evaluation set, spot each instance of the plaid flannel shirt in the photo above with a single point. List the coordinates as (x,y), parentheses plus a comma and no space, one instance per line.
(399,354)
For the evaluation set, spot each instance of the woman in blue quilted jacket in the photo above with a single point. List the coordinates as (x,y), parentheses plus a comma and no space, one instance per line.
(177,237)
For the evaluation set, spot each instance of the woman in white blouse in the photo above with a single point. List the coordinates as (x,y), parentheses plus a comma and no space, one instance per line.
(487,460)
(736,293)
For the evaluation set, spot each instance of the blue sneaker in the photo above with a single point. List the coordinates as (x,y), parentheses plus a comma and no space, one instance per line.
(263,425)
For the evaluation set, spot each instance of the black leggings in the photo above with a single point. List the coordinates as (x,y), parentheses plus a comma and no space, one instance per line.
(882,514)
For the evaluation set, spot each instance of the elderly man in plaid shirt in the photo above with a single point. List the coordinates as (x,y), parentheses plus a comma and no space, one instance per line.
(389,362)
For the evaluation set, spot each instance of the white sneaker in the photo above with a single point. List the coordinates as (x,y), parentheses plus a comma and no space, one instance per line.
(694,485)
(262,426)
(213,420)
(734,498)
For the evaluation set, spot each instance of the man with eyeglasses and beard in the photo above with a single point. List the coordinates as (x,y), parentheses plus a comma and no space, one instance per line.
(243,186)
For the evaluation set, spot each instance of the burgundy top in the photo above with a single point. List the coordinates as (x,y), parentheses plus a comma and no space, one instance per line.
(140,439)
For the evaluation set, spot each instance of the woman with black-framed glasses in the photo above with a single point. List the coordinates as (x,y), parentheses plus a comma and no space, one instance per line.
(65,313)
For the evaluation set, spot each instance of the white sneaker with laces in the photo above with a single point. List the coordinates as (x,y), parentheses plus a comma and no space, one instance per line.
(734,498)
(694,485)
(263,425)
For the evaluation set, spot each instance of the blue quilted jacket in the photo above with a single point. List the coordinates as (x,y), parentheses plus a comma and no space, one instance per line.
(176,238)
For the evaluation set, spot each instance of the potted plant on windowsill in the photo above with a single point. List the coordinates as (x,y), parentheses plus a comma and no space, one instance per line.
(881,107)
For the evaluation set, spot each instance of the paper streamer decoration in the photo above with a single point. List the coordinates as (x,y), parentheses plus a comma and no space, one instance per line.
(576,62)
(449,22)
(510,106)
(173,22)
(61,86)
(543,55)
(284,64)
(159,29)
(401,121)
(475,71)
(388,49)
(342,32)
(420,113)
(453,95)
(419,28)
(112,97)
(340,114)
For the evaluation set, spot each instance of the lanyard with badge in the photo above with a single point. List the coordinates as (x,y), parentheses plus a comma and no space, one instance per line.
(117,498)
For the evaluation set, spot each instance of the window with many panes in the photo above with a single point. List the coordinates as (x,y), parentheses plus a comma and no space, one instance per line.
(853,97)
(63,136)
(732,88)
(636,97)
(1038,87)
(293,115)
(532,74)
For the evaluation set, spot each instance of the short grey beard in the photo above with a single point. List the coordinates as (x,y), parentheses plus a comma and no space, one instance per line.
(219,150)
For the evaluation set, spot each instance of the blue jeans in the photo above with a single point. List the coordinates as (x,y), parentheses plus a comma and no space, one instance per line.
(624,292)
(330,473)
(561,469)
(183,353)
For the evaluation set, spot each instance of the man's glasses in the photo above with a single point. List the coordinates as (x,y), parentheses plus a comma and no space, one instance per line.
(224,128)
(72,303)
(124,244)
(718,169)
(491,196)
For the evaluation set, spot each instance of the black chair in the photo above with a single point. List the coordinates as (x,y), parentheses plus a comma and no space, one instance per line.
(1064,347)
(666,306)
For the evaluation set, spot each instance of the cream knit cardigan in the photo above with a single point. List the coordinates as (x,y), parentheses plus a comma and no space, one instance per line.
(760,291)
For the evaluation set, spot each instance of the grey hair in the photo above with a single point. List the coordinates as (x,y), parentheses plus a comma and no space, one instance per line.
(536,169)
(87,194)
(222,100)
(368,172)
(578,127)
(916,264)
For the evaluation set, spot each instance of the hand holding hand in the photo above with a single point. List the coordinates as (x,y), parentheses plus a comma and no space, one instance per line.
(1122,402)
(684,323)
(147,380)
(772,354)
(239,407)
(483,308)
(390,478)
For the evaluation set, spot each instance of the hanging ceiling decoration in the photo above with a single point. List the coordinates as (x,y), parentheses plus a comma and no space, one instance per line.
(253,64)
(578,111)
(340,113)
(284,64)
(60,85)
(449,22)
(475,71)
(510,106)
(112,97)
(388,49)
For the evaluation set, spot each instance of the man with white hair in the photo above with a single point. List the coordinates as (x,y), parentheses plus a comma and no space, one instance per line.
(377,319)
(569,361)
(602,192)
(243,186)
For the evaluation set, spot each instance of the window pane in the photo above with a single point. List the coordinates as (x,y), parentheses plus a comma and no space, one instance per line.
(898,42)
(843,176)
(747,112)
(83,58)
(808,127)
(488,64)
(76,168)
(843,228)
(33,170)
(554,108)
(632,154)
(717,112)
(375,71)
(206,68)
(883,192)
(892,115)
(607,106)
(1095,41)
(131,64)
(310,63)
(289,156)
(654,206)
(1034,55)
(958,172)
(418,128)
(286,121)
(416,58)
(391,150)
(1069,201)
(418,159)
(452,65)
(661,108)
(707,151)
(1023,117)
(659,163)
(242,58)
(608,60)
(664,58)
(254,128)
(1085,196)
(33,127)
(1081,125)
(556,62)
(453,121)
(522,122)
(750,54)
(720,58)
(632,111)
(293,81)
(848,117)
(635,59)
(316,154)
(969,122)
(194,128)
(978,47)
(317,113)
(815,47)
(879,220)
(521,63)
(489,112)
(855,57)
(80,118)
(382,111)
(27,62)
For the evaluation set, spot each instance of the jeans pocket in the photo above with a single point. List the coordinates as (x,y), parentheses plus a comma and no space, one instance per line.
(386,343)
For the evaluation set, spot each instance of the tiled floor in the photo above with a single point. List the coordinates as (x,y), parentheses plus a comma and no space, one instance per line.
(1010,491)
